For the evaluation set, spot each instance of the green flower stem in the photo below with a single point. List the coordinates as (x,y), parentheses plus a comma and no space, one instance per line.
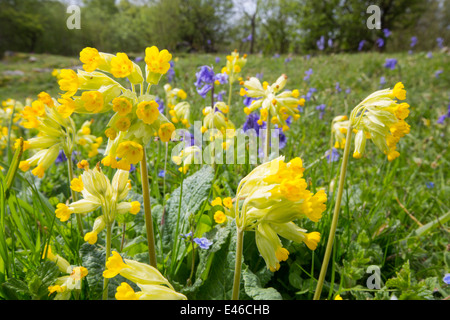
(108,253)
(148,211)
(238,265)
(337,207)
(74,193)
(267,146)
(230,90)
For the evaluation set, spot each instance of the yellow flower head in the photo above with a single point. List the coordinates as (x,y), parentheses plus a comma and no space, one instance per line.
(77,184)
(157,61)
(148,111)
(63,212)
(130,151)
(68,81)
(114,265)
(45,98)
(93,101)
(122,124)
(126,292)
(122,106)
(121,65)
(165,131)
(220,217)
(90,58)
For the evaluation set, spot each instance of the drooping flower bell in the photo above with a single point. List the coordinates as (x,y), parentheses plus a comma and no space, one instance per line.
(181,113)
(381,118)
(272,102)
(152,283)
(274,195)
(55,133)
(99,192)
(234,65)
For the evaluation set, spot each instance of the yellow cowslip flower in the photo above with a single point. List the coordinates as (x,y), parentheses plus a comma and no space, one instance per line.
(216,202)
(99,192)
(66,284)
(55,133)
(68,81)
(157,63)
(234,65)
(338,297)
(77,184)
(181,113)
(121,65)
(214,118)
(130,153)
(187,156)
(220,217)
(90,57)
(274,104)
(339,127)
(148,111)
(89,142)
(123,124)
(45,98)
(92,101)
(152,283)
(63,264)
(381,119)
(122,106)
(275,194)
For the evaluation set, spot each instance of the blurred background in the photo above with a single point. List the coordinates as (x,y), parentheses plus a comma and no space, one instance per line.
(252,26)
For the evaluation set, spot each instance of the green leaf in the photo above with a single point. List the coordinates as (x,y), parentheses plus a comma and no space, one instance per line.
(253,288)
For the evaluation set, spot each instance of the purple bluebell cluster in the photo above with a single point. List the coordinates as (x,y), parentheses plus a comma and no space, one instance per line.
(161,173)
(248,38)
(321,108)
(442,118)
(62,157)
(338,87)
(203,243)
(310,93)
(390,63)
(160,103)
(330,43)
(430,185)
(206,78)
(332,156)
(379,42)
(321,43)
(287,60)
(171,72)
(276,56)
(219,96)
(361,45)
(252,123)
(413,42)
(259,75)
(386,32)
(308,74)
(440,42)
(438,73)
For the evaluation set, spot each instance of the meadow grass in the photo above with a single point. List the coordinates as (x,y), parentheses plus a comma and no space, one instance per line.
(384,203)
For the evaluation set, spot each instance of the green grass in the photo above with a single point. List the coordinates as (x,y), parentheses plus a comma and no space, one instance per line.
(384,202)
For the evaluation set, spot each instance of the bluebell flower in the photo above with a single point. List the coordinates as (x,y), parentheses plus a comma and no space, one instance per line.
(252,123)
(429,55)
(438,73)
(161,173)
(206,78)
(217,60)
(382,80)
(219,96)
(332,156)
(413,41)
(203,243)
(440,42)
(430,185)
(259,75)
(321,43)
(441,119)
(160,103)
(390,63)
(138,59)
(170,72)
(308,74)
(321,108)
(132,168)
(330,43)
(276,56)
(288,59)
(310,93)
(386,32)
(379,42)
(348,90)
(308,56)
(410,52)
(361,45)
(61,157)
(338,87)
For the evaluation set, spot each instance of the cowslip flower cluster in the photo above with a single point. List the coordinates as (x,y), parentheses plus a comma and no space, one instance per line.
(187,156)
(234,65)
(275,194)
(136,118)
(381,118)
(55,133)
(339,127)
(215,118)
(64,285)
(89,142)
(181,113)
(273,103)
(98,192)
(226,204)
(152,283)
(173,96)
